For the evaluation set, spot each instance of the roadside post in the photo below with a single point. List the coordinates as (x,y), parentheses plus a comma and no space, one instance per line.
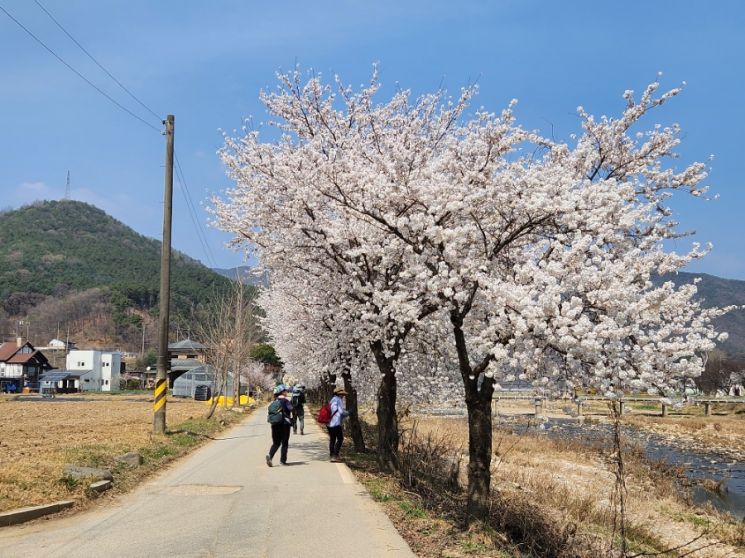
(161,378)
(538,406)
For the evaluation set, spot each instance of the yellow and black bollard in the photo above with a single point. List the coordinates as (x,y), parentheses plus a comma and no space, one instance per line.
(159,405)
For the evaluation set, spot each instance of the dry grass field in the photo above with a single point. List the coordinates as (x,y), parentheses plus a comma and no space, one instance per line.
(723,432)
(539,483)
(37,438)
(561,494)
(573,485)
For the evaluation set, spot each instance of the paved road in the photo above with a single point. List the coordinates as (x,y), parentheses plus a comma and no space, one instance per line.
(224,501)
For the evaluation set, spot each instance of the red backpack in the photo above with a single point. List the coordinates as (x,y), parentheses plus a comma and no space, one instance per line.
(324,415)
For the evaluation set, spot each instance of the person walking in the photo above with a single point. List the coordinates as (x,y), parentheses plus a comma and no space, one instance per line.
(335,428)
(280,417)
(298,409)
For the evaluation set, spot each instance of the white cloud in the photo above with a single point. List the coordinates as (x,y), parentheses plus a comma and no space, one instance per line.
(29,192)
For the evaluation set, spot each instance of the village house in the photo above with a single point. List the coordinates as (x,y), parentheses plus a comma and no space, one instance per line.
(94,370)
(185,355)
(187,349)
(86,370)
(21,365)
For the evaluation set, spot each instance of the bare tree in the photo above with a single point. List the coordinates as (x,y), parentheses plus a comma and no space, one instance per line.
(722,372)
(229,327)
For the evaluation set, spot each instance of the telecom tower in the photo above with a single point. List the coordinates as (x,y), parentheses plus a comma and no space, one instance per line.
(67,187)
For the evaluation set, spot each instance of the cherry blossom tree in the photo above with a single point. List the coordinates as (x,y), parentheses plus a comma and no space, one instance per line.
(408,219)
(317,341)
(314,201)
(255,377)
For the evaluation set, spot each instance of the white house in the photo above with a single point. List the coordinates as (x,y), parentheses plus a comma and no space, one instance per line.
(59,345)
(98,370)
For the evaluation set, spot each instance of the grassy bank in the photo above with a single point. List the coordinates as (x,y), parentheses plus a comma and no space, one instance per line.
(550,498)
(40,437)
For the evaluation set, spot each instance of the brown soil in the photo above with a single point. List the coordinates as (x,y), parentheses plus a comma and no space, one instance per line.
(40,437)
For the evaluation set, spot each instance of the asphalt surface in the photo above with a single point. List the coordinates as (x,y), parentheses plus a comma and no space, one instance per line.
(224,501)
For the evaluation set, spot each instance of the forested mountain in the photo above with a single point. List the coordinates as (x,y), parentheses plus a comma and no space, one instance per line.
(67,264)
(62,261)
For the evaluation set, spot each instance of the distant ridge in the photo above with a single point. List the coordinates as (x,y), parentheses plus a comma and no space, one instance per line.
(246,274)
(716,291)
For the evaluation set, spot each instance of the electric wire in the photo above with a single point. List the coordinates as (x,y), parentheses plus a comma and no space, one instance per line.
(201,234)
(108,73)
(180,172)
(193,213)
(77,73)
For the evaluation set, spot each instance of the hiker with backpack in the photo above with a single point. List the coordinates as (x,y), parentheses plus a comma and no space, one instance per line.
(298,411)
(336,431)
(280,418)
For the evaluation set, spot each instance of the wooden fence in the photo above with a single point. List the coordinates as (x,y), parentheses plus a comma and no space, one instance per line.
(540,402)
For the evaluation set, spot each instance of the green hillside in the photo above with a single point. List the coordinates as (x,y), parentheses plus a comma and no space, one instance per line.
(67,262)
(50,250)
(56,246)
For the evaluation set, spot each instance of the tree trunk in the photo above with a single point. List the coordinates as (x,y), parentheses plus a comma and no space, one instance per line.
(327,388)
(225,391)
(354,418)
(213,405)
(386,411)
(479,452)
(236,388)
(478,403)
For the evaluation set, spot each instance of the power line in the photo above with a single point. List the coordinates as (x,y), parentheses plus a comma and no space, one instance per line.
(201,235)
(180,173)
(193,213)
(77,73)
(108,73)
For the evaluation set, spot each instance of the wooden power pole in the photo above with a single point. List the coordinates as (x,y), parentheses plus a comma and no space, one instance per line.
(164,360)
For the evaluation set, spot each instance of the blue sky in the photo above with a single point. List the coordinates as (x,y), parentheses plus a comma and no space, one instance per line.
(205,62)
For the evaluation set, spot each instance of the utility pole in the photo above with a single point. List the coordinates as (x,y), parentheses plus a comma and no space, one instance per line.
(239,344)
(164,361)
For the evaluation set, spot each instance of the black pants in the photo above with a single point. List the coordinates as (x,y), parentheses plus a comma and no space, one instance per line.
(336,437)
(280,437)
(299,417)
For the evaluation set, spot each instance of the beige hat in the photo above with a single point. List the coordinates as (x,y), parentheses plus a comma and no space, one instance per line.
(339,391)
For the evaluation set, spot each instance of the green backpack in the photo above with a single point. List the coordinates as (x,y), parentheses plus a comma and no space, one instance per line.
(275,413)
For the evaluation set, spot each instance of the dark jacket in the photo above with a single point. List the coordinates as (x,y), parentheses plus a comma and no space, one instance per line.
(298,408)
(286,409)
